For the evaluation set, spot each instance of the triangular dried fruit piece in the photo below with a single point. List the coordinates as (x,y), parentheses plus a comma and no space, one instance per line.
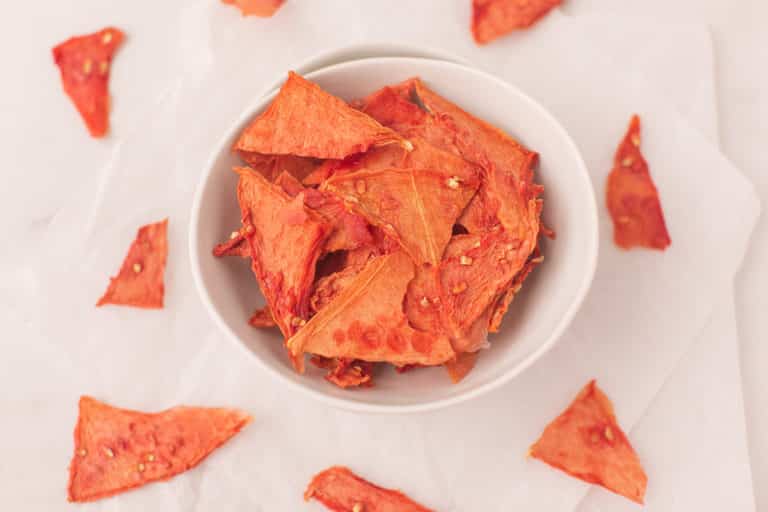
(304,120)
(461,366)
(366,321)
(350,231)
(261,8)
(139,282)
(262,317)
(118,449)
(586,442)
(494,18)
(340,490)
(84,62)
(237,245)
(271,166)
(286,240)
(418,207)
(632,198)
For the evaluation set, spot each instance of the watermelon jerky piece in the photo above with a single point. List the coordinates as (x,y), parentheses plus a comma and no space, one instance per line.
(366,321)
(237,245)
(340,490)
(632,198)
(84,63)
(517,283)
(492,19)
(117,449)
(260,8)
(271,166)
(304,120)
(345,373)
(417,207)
(349,230)
(461,366)
(139,283)
(286,240)
(262,317)
(586,442)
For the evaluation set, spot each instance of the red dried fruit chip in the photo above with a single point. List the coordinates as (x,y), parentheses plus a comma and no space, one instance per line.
(304,120)
(340,490)
(366,321)
(139,283)
(517,283)
(85,62)
(415,206)
(262,318)
(271,166)
(286,240)
(261,8)
(632,198)
(345,373)
(117,449)
(586,442)
(461,366)
(494,18)
(237,245)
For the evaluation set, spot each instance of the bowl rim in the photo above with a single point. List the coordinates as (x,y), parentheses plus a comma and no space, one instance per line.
(262,99)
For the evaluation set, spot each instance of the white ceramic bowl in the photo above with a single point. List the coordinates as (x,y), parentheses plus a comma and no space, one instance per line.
(538,316)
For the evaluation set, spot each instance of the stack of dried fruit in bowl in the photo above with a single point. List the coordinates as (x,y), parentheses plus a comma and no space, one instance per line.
(396,229)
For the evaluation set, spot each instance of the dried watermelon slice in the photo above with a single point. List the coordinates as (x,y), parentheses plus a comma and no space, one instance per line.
(506,298)
(366,321)
(140,280)
(586,442)
(84,62)
(286,240)
(392,107)
(461,366)
(237,245)
(350,231)
(117,449)
(415,206)
(494,18)
(304,120)
(271,166)
(261,8)
(632,198)
(262,317)
(346,373)
(340,490)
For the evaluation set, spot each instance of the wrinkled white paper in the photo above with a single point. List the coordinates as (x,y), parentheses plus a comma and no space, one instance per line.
(645,309)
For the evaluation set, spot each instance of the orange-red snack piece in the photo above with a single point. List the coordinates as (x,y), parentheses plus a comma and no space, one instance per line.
(415,206)
(139,283)
(366,321)
(261,8)
(346,373)
(271,166)
(84,62)
(262,317)
(286,240)
(632,198)
(304,120)
(586,442)
(517,283)
(461,366)
(117,449)
(494,18)
(237,245)
(340,490)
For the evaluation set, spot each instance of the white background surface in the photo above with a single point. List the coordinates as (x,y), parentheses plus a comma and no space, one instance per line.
(742,82)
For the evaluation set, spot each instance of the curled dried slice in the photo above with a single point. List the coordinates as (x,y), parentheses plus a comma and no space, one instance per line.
(517,283)
(415,206)
(346,373)
(586,442)
(286,240)
(139,283)
(349,230)
(366,321)
(340,490)
(237,245)
(494,18)
(261,8)
(632,198)
(117,449)
(84,62)
(461,366)
(262,317)
(304,120)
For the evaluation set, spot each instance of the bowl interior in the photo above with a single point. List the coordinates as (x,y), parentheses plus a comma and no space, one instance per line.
(536,318)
